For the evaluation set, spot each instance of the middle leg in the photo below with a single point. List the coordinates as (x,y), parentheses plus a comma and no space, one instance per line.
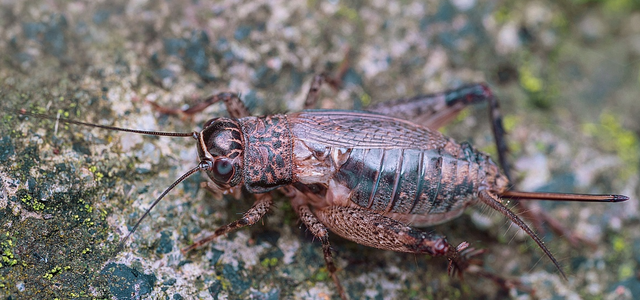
(234,105)
(299,202)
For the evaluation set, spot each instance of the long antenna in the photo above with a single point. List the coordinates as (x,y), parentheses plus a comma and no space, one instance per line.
(201,166)
(194,134)
(24,112)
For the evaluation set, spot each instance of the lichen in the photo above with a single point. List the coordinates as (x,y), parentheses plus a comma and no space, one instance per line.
(6,248)
(611,136)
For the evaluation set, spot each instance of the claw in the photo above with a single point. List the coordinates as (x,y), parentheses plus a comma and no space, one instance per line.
(462,258)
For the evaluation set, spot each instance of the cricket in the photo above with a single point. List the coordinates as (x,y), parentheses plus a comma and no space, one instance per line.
(372,176)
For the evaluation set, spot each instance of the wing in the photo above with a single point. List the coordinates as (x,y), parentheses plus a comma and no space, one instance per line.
(358,129)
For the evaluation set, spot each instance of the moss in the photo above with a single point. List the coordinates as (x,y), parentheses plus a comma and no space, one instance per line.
(6,247)
(321,275)
(59,233)
(269,262)
(611,136)
(49,275)
(619,244)
(529,81)
(626,271)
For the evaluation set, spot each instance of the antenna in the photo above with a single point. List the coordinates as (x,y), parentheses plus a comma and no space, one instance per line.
(200,166)
(24,112)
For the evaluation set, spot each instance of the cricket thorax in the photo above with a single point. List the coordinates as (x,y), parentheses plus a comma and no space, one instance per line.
(268,150)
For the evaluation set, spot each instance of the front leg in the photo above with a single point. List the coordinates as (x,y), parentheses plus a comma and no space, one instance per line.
(255,213)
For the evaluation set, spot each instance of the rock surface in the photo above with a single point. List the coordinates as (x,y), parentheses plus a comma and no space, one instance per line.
(566,74)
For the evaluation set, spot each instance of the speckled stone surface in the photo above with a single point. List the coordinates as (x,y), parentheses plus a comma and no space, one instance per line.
(567,75)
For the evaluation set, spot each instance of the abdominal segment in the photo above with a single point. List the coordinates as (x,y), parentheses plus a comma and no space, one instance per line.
(409,181)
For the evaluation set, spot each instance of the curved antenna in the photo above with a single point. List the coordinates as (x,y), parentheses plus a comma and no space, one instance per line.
(24,112)
(201,166)
(492,200)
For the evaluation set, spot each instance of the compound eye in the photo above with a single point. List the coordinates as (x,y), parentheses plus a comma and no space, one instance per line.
(206,124)
(223,169)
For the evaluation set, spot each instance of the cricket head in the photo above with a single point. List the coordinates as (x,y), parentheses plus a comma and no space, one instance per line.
(220,147)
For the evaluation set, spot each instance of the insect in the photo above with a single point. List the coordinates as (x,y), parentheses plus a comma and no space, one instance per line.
(364,175)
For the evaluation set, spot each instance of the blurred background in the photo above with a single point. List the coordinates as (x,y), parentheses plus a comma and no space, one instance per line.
(566,73)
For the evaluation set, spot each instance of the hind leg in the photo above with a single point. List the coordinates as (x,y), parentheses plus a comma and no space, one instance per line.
(374,230)
(371,229)
(435,110)
(234,105)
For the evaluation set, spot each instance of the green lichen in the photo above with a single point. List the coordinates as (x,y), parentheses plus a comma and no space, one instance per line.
(269,262)
(560,21)
(33,204)
(88,208)
(8,259)
(349,13)
(529,81)
(88,222)
(463,115)
(626,271)
(619,244)
(321,275)
(103,215)
(612,136)
(509,122)
(97,175)
(225,283)
(49,275)
(365,99)
(611,6)
(502,15)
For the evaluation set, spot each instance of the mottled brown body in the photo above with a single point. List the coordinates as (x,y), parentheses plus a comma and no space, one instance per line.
(360,159)
(362,175)
(366,176)
(267,153)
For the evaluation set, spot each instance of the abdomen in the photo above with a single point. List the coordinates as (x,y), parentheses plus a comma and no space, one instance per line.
(408,181)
